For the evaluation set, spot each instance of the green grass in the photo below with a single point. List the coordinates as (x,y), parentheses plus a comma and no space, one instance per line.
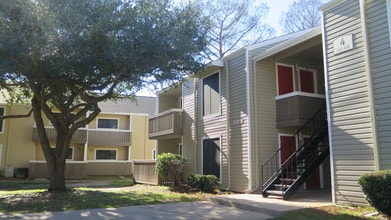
(31,197)
(330,212)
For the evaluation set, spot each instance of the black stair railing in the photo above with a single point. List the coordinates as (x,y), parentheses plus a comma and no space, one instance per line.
(288,171)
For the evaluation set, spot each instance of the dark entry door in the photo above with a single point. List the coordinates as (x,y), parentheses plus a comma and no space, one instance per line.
(211,157)
(313,181)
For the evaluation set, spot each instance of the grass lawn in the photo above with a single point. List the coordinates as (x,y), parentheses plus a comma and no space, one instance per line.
(32,196)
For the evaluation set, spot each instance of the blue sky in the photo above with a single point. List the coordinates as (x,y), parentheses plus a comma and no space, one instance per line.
(277,8)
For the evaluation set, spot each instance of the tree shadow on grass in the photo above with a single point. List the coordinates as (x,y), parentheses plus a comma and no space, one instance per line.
(80,199)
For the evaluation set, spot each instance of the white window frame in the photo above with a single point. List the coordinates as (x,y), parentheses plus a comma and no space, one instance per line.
(221,155)
(110,149)
(202,96)
(73,154)
(293,77)
(153,154)
(180,149)
(106,118)
(388,5)
(314,76)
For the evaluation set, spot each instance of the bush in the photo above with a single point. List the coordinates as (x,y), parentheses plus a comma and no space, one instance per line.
(204,183)
(377,188)
(170,168)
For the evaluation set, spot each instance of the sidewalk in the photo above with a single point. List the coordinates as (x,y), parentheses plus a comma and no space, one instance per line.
(227,207)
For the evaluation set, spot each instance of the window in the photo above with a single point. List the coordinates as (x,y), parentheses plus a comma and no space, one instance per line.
(180,149)
(211,94)
(70,154)
(154,154)
(307,81)
(105,154)
(2,111)
(285,79)
(211,157)
(107,123)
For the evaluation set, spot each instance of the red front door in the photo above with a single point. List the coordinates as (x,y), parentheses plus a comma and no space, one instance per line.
(288,147)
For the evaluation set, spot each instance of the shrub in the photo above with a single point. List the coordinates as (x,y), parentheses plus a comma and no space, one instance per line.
(204,183)
(377,188)
(170,168)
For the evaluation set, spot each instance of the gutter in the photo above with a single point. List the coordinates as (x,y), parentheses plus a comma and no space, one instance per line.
(328,107)
(249,153)
(227,124)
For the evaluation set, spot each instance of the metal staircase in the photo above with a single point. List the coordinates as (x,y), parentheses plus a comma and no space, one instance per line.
(286,178)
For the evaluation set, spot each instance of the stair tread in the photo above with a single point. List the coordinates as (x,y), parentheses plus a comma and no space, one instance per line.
(275,192)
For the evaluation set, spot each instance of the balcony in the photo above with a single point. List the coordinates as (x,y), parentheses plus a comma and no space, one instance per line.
(101,137)
(295,109)
(80,136)
(98,137)
(165,125)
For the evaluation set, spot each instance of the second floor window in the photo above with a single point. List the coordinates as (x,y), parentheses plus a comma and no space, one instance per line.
(107,123)
(211,94)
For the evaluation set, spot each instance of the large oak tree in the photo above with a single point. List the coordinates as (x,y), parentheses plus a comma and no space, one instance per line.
(67,56)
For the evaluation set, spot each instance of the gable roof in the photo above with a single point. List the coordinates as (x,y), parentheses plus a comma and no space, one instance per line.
(296,38)
(139,105)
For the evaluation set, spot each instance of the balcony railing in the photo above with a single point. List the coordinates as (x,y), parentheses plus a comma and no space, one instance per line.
(98,137)
(109,137)
(295,109)
(79,137)
(167,124)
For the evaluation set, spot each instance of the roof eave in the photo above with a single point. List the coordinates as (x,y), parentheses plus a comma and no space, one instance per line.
(290,43)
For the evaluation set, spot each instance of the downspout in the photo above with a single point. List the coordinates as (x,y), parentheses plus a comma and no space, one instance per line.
(257,167)
(227,124)
(329,122)
(370,85)
(195,123)
(249,154)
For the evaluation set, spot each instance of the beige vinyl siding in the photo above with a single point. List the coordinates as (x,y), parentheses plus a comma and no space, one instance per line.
(267,134)
(189,142)
(213,126)
(379,42)
(351,130)
(238,123)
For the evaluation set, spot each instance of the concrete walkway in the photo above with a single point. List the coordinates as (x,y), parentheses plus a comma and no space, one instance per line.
(227,207)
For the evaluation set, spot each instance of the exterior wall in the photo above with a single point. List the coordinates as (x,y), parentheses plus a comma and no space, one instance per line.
(169,146)
(379,45)
(142,146)
(18,144)
(19,150)
(78,151)
(267,134)
(122,152)
(349,107)
(212,126)
(123,121)
(238,123)
(190,144)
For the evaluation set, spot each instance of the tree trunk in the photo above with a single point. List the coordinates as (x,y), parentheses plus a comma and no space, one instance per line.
(57,175)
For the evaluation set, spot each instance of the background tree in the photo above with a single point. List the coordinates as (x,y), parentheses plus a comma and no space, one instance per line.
(67,56)
(302,15)
(233,24)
